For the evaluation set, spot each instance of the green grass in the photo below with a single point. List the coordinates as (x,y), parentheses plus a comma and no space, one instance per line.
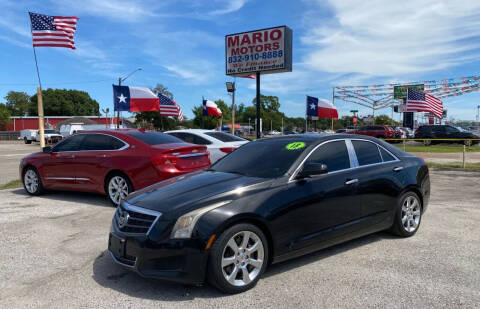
(437,148)
(473,166)
(11,185)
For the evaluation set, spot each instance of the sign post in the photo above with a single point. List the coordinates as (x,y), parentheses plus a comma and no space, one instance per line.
(263,51)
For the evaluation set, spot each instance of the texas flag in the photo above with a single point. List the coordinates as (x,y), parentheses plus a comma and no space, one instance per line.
(134,99)
(321,108)
(211,109)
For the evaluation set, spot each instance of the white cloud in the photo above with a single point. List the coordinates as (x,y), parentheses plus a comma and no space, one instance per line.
(230,7)
(21,43)
(197,72)
(387,38)
(124,11)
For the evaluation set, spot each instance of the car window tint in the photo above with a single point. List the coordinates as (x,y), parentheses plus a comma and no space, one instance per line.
(367,153)
(270,158)
(451,129)
(155,138)
(101,142)
(72,143)
(386,156)
(333,154)
(224,137)
(193,139)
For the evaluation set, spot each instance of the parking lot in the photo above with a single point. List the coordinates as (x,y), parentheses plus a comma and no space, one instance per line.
(10,156)
(53,254)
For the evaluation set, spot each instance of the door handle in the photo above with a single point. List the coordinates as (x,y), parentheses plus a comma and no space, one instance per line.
(351,181)
(398,169)
(102,156)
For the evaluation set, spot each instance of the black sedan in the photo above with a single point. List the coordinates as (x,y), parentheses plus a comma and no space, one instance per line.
(266,202)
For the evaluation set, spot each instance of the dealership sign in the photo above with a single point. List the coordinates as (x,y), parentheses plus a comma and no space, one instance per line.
(266,51)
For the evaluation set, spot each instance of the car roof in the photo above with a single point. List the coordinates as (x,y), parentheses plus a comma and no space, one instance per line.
(318,138)
(192,131)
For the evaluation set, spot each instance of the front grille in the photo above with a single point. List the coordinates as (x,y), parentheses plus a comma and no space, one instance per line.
(134,220)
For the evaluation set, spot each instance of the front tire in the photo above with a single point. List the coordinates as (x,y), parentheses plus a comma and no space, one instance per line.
(408,215)
(237,259)
(117,187)
(32,181)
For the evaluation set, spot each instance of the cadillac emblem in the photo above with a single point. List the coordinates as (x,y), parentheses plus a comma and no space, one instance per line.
(123,219)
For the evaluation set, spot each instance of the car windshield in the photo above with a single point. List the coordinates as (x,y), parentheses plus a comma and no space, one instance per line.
(225,137)
(461,129)
(264,158)
(50,132)
(155,138)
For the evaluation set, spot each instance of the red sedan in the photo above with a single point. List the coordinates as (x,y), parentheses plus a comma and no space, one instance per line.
(111,162)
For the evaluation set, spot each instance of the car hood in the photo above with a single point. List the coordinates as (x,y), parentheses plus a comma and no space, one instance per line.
(181,194)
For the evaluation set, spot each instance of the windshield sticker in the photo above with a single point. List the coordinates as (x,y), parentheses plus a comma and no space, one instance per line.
(295,145)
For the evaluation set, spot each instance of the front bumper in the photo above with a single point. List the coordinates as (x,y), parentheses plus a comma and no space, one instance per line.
(182,261)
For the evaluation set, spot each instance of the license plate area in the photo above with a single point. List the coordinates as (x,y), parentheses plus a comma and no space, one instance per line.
(116,245)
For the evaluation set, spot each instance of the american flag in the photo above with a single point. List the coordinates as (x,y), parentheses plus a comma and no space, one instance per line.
(53,31)
(168,107)
(419,101)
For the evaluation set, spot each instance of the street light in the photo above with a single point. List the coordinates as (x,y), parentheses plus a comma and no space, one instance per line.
(120,80)
(231,88)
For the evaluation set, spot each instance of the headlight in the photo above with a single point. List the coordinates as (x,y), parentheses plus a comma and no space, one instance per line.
(184,226)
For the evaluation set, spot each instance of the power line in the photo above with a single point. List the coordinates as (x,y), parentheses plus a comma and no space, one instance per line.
(57,83)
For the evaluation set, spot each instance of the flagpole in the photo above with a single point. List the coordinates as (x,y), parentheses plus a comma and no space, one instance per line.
(203,117)
(39,95)
(333,101)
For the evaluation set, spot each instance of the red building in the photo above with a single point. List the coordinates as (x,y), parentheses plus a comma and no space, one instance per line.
(31,122)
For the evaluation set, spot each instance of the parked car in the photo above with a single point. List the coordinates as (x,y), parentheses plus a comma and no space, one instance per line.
(270,200)
(28,136)
(454,134)
(110,162)
(50,136)
(407,132)
(218,143)
(397,132)
(69,129)
(378,131)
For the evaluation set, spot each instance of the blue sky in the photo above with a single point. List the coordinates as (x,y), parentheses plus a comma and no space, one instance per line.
(181,45)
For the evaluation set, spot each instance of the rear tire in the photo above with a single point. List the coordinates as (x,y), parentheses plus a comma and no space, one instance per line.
(117,187)
(27,141)
(408,215)
(237,259)
(32,183)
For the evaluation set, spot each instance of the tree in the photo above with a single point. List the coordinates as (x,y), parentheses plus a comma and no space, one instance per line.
(384,119)
(268,103)
(4,117)
(211,122)
(63,102)
(17,103)
(159,88)
(158,121)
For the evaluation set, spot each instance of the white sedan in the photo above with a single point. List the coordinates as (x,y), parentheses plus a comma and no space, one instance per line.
(218,143)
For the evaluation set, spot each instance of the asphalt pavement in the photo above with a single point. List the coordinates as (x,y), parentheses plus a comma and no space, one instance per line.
(10,156)
(53,255)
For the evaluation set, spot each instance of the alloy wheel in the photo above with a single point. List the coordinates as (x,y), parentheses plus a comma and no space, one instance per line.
(411,212)
(30,180)
(242,258)
(117,189)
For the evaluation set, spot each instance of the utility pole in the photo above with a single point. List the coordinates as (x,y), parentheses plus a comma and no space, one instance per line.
(231,88)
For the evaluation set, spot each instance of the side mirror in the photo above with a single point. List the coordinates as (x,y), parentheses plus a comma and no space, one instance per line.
(47,149)
(312,169)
